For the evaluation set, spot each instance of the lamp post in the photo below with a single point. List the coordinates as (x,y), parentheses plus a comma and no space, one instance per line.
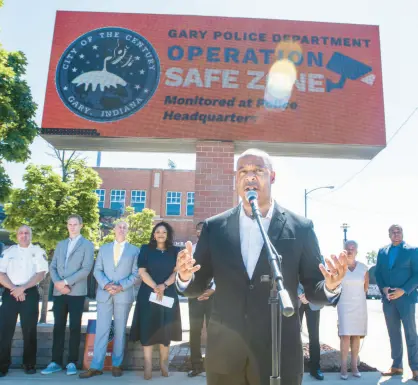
(308,192)
(345,226)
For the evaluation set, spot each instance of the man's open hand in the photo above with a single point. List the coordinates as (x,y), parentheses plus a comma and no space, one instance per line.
(185,263)
(337,268)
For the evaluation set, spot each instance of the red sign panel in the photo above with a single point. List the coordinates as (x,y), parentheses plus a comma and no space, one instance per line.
(89,346)
(193,77)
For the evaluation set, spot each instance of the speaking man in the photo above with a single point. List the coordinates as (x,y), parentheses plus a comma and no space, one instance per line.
(230,250)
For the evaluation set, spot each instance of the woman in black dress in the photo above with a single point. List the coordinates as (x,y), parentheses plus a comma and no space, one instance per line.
(154,324)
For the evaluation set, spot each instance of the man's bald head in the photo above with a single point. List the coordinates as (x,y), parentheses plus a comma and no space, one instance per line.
(121,230)
(24,235)
(259,153)
(255,172)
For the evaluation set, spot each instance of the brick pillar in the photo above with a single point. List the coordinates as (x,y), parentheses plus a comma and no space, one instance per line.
(214,190)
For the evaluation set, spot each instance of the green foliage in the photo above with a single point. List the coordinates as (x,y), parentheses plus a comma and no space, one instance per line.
(5,184)
(17,111)
(46,202)
(140,227)
(371,257)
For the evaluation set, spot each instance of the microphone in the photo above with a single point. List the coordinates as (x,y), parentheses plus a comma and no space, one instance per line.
(274,257)
(252,197)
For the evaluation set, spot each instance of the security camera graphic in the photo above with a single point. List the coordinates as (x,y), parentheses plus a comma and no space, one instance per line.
(347,68)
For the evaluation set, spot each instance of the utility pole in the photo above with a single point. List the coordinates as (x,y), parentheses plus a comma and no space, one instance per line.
(308,192)
(345,227)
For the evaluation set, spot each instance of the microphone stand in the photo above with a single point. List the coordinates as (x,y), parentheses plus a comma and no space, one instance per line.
(277,294)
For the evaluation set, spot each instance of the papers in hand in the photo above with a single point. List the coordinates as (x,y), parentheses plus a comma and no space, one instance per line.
(167,301)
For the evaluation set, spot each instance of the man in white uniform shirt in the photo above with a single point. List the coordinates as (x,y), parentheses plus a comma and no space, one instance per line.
(231,251)
(115,270)
(72,263)
(22,267)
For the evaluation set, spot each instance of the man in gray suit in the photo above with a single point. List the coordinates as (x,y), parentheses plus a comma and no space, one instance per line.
(312,321)
(72,263)
(115,270)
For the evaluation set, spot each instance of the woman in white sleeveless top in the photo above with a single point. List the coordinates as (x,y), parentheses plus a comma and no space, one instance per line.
(352,310)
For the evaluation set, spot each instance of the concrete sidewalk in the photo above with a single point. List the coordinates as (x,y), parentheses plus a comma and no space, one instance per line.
(134,377)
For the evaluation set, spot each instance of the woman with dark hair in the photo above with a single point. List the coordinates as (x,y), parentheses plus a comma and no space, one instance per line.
(155,324)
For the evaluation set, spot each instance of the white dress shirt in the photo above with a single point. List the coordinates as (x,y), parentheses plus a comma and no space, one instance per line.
(251,242)
(71,245)
(251,239)
(122,247)
(22,263)
(251,245)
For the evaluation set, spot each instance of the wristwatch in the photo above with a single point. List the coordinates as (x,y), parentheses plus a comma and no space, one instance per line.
(165,285)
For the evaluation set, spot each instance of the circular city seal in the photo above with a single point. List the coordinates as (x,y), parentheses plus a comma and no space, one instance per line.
(107,74)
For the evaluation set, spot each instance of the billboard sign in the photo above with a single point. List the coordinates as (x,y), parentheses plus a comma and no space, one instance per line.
(122,79)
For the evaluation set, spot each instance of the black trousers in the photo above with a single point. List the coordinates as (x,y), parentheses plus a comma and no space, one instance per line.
(29,314)
(198,311)
(312,321)
(248,376)
(64,305)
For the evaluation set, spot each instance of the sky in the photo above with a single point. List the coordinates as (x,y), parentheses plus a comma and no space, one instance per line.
(369,195)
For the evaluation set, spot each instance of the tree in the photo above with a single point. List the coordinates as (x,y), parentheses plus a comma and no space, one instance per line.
(45,203)
(140,227)
(66,159)
(371,257)
(17,111)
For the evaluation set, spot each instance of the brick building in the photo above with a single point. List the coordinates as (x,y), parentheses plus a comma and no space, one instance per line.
(169,192)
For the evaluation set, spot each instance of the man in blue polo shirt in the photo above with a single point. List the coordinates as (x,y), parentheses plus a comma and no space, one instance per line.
(397,278)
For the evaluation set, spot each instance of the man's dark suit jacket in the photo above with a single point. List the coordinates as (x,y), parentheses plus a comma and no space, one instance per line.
(240,325)
(403,274)
(1,252)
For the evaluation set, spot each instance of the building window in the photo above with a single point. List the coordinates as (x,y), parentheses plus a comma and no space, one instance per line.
(173,203)
(138,199)
(190,204)
(117,200)
(101,195)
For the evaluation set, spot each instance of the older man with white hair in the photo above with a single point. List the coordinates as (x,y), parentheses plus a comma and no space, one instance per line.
(115,270)
(22,267)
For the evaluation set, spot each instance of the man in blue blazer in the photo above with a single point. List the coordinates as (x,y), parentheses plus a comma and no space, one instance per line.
(115,270)
(397,278)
